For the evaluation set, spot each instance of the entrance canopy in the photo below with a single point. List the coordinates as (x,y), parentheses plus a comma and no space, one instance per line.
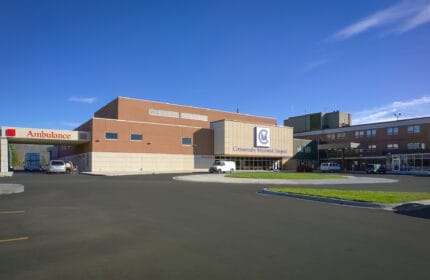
(20,135)
(44,136)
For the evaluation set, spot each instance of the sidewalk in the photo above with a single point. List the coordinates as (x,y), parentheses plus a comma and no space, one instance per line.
(11,188)
(220,178)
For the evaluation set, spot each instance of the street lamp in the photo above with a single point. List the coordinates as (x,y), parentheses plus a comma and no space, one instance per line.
(397,115)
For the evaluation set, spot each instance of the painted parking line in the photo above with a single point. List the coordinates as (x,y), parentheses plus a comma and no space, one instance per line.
(14,239)
(12,212)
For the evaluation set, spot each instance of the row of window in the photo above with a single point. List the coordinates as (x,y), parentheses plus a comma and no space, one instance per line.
(413,129)
(186,141)
(411,146)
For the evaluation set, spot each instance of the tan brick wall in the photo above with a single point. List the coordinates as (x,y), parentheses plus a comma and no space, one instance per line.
(239,140)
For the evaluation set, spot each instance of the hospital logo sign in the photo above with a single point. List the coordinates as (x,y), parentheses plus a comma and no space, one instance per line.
(262,137)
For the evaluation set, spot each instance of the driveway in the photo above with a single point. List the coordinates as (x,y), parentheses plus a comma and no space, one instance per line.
(153,227)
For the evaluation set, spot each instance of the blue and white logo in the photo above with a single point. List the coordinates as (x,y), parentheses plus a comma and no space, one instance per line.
(262,137)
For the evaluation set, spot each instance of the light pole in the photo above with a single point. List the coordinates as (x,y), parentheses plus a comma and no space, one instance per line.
(397,115)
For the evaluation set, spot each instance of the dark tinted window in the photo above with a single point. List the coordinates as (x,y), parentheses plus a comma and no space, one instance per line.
(186,141)
(136,137)
(111,135)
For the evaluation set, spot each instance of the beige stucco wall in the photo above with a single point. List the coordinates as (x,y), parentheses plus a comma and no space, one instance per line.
(235,138)
(145,162)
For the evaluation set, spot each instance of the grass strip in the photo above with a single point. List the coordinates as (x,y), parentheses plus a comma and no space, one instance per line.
(362,196)
(285,176)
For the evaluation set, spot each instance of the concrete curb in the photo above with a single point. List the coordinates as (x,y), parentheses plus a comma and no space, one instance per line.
(220,178)
(401,207)
(11,188)
(324,199)
(112,174)
(6,174)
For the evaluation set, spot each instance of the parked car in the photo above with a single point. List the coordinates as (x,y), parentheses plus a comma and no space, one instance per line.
(375,168)
(56,166)
(223,166)
(330,167)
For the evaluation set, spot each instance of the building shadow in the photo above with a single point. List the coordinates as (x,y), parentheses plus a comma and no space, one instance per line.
(416,210)
(203,148)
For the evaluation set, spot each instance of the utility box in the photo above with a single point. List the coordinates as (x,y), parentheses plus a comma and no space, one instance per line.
(32,161)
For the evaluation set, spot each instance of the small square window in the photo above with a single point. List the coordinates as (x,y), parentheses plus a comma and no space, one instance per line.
(371,132)
(393,146)
(393,131)
(187,141)
(111,135)
(136,137)
(414,129)
(359,134)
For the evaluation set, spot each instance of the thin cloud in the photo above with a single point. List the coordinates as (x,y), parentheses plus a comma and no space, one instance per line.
(315,64)
(421,18)
(88,100)
(414,108)
(405,16)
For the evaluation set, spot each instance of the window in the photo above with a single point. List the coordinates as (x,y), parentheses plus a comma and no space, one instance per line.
(359,134)
(414,129)
(331,136)
(186,141)
(416,146)
(341,135)
(393,146)
(393,131)
(371,132)
(136,137)
(372,147)
(111,135)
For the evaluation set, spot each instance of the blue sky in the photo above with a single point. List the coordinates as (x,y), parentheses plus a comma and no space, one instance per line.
(61,60)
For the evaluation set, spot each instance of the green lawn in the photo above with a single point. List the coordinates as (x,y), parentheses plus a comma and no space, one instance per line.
(362,196)
(285,176)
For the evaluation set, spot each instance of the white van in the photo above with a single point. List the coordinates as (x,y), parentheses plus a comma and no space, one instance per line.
(223,166)
(330,167)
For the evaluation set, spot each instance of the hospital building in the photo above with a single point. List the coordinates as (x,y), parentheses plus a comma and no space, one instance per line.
(134,135)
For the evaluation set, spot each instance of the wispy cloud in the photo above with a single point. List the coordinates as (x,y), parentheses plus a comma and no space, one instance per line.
(88,100)
(419,107)
(419,19)
(315,64)
(401,17)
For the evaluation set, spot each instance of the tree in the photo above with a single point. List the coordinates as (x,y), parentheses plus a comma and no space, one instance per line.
(14,157)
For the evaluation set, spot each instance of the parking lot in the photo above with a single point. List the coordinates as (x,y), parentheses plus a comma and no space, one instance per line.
(153,227)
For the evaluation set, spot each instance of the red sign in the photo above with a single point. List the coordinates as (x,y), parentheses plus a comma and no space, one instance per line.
(10,132)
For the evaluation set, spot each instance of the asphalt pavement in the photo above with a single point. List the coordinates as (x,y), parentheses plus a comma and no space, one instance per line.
(153,227)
